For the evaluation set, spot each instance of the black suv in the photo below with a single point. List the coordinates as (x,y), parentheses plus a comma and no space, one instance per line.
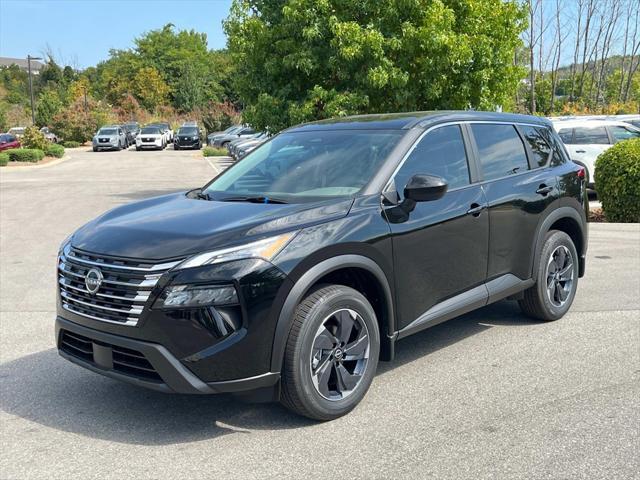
(293,272)
(188,136)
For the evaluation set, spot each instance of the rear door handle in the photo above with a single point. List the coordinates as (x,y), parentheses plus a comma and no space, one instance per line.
(581,151)
(544,190)
(476,209)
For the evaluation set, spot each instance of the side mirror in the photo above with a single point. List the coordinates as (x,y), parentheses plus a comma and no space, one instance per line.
(425,188)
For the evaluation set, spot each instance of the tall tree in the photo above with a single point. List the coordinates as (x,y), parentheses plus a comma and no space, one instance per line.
(310,59)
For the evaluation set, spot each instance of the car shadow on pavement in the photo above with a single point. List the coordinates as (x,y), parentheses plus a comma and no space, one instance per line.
(45,389)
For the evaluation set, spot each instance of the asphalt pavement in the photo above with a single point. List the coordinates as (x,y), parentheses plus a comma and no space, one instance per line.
(491,394)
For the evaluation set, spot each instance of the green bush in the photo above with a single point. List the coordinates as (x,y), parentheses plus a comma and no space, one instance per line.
(4,159)
(617,179)
(71,144)
(25,155)
(54,150)
(33,138)
(214,152)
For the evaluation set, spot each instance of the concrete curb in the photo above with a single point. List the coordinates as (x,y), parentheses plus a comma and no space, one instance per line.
(21,168)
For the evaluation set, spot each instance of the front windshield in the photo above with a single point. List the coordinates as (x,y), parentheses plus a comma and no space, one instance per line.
(150,130)
(307,166)
(107,131)
(188,131)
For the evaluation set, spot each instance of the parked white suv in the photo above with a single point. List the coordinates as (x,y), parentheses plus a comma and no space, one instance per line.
(588,138)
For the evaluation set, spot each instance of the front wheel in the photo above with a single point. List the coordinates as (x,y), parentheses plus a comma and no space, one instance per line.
(556,279)
(331,354)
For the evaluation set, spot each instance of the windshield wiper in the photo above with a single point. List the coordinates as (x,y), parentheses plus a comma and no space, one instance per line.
(203,196)
(256,199)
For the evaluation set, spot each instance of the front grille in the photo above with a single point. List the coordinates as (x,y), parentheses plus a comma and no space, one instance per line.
(104,140)
(125,288)
(148,139)
(125,360)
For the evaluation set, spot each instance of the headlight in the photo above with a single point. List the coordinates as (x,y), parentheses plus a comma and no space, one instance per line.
(266,249)
(195,137)
(194,296)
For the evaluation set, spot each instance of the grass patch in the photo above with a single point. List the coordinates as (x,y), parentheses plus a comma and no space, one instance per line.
(214,152)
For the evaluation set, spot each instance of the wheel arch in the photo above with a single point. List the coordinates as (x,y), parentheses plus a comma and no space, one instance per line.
(568,220)
(356,271)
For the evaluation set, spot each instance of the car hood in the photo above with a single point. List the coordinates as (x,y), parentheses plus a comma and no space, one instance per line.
(175,226)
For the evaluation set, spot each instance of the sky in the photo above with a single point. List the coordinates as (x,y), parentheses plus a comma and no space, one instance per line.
(80,33)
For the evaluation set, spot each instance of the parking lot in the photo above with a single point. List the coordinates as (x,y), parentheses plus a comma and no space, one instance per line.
(487,395)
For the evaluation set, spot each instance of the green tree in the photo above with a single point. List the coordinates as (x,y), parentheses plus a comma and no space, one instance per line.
(47,106)
(150,88)
(310,59)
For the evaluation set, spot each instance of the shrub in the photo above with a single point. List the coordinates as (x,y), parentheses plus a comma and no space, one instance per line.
(54,150)
(25,155)
(71,144)
(617,179)
(33,138)
(4,159)
(214,152)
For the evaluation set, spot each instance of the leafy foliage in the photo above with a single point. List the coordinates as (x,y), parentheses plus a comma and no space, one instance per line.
(33,155)
(47,106)
(618,181)
(54,150)
(4,159)
(71,144)
(33,138)
(313,59)
(80,122)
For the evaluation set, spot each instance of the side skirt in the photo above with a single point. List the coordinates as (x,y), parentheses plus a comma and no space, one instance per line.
(492,291)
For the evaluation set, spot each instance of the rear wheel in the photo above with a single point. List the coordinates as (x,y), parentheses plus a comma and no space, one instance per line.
(331,354)
(556,279)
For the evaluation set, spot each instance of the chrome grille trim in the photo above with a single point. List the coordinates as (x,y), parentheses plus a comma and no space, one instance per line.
(125,289)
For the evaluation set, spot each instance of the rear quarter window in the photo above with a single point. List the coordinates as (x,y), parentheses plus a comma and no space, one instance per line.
(538,143)
(590,136)
(501,150)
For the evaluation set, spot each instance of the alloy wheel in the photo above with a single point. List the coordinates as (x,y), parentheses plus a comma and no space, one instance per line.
(339,354)
(560,272)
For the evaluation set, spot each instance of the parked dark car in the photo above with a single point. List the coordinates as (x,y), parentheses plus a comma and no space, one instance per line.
(296,270)
(188,137)
(8,141)
(132,129)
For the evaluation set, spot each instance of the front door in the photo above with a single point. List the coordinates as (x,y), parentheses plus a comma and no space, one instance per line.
(440,248)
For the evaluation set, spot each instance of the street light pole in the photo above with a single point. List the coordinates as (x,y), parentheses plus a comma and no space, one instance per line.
(33,113)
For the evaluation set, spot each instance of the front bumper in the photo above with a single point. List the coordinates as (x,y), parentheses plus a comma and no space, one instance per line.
(142,363)
(189,143)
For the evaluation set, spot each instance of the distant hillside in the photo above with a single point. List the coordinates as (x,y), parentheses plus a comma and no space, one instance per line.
(611,65)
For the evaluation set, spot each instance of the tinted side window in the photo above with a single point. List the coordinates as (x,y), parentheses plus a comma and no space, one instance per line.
(566,135)
(539,145)
(441,152)
(623,133)
(501,150)
(590,135)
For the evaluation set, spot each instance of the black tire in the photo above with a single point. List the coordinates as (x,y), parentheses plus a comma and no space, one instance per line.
(138,149)
(314,313)
(551,296)
(176,147)
(95,149)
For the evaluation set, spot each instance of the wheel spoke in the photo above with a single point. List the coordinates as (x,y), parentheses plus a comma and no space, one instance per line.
(557,296)
(563,292)
(356,349)
(325,340)
(567,272)
(551,289)
(346,326)
(560,259)
(323,374)
(346,380)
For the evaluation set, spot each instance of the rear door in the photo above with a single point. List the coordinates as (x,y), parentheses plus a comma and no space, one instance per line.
(519,186)
(587,143)
(440,248)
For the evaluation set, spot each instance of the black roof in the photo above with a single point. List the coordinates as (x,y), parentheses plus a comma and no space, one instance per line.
(407,120)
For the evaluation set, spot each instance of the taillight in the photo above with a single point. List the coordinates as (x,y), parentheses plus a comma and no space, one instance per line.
(581,173)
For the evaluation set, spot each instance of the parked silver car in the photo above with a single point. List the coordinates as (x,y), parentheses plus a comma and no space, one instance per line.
(110,137)
(49,135)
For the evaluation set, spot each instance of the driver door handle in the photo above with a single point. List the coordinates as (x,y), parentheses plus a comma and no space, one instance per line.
(544,190)
(581,151)
(476,209)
